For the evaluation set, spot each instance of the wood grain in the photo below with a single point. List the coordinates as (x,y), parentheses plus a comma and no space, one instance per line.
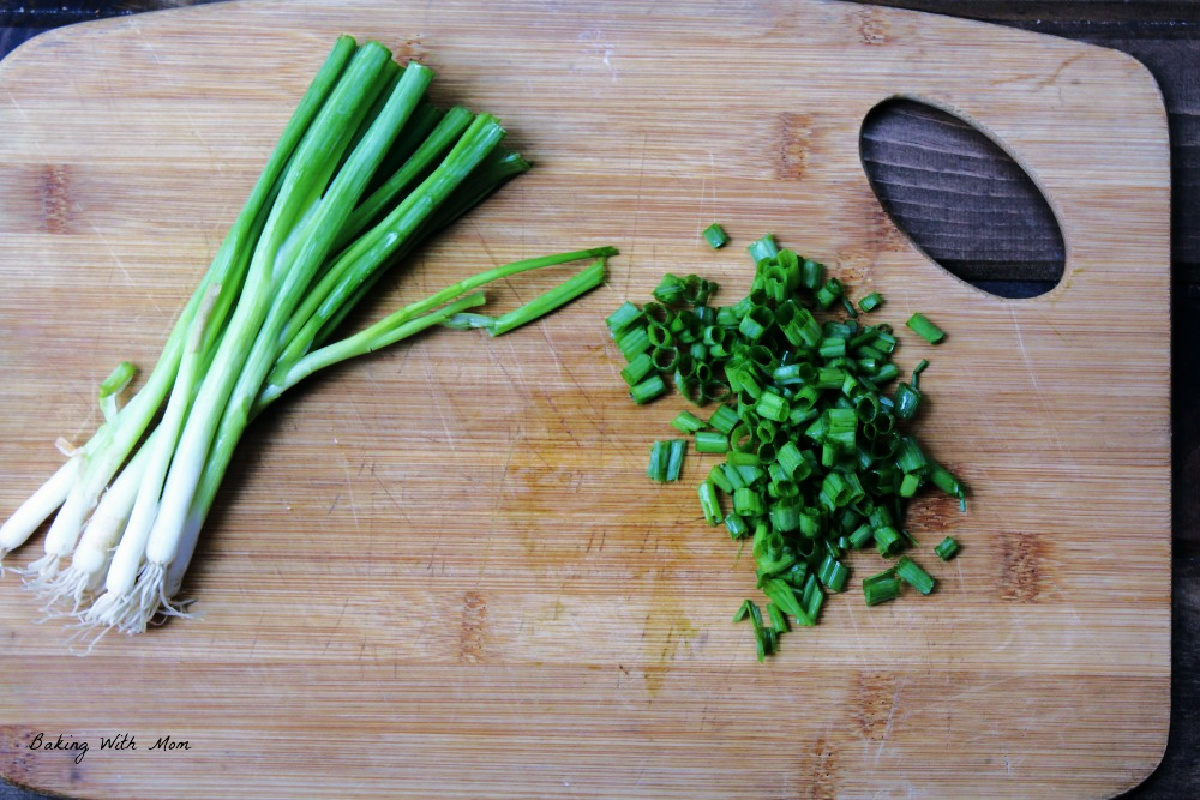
(441,573)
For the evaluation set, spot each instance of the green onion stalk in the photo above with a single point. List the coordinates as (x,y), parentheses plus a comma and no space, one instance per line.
(366,170)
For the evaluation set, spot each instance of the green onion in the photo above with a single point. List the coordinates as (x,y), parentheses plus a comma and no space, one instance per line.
(715,236)
(625,315)
(888,541)
(785,517)
(718,478)
(908,396)
(945,480)
(783,595)
(112,386)
(632,341)
(911,573)
(910,458)
(671,290)
(675,459)
(833,573)
(861,537)
(687,422)
(921,326)
(364,172)
(711,442)
(666,460)
(871,301)
(649,389)
(710,506)
(828,294)
(747,502)
(881,588)
(909,485)
(736,526)
(764,248)
(947,549)
(724,419)
(777,617)
(637,369)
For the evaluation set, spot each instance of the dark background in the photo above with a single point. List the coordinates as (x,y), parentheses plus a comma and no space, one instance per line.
(973,210)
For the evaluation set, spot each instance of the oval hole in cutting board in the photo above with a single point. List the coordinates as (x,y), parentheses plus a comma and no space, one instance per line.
(964,201)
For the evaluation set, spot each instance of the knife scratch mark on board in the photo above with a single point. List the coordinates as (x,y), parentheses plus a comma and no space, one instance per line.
(350,490)
(891,719)
(431,383)
(152,49)
(1039,392)
(119,264)
(637,208)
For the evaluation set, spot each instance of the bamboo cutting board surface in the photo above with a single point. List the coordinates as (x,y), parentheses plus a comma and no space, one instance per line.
(441,572)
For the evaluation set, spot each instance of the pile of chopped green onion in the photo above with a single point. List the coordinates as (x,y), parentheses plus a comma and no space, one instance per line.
(366,169)
(816,457)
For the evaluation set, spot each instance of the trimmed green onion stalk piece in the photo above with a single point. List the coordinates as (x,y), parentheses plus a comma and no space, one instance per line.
(366,169)
(813,456)
(881,588)
(715,236)
(947,550)
(921,326)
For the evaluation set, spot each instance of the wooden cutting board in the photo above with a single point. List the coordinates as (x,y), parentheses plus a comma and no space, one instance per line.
(441,572)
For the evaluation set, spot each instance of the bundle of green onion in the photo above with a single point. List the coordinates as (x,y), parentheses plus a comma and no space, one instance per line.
(816,458)
(366,169)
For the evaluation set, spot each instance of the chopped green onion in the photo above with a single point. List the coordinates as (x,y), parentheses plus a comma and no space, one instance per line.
(656,469)
(764,248)
(743,610)
(778,620)
(785,516)
(747,502)
(944,479)
(711,442)
(818,461)
(649,389)
(666,460)
(715,236)
(888,541)
(828,294)
(664,359)
(687,422)
(632,340)
(678,449)
(907,399)
(736,526)
(921,326)
(911,573)
(910,458)
(772,407)
(625,315)
(947,549)
(710,506)
(881,588)
(733,476)
(724,419)
(637,369)
(671,290)
(814,599)
(861,537)
(783,595)
(833,574)
(871,301)
(718,478)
